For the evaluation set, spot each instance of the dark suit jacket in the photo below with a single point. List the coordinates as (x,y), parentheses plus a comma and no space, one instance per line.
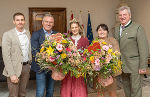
(37,39)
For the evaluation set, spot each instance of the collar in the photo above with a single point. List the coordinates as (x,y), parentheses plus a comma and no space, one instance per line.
(47,32)
(127,24)
(20,33)
(77,37)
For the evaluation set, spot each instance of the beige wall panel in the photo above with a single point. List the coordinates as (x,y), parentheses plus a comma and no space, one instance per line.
(102,11)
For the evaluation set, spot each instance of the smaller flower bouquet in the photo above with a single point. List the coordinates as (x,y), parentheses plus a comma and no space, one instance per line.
(59,55)
(104,62)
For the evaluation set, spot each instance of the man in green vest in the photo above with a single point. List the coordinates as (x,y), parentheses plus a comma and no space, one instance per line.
(134,52)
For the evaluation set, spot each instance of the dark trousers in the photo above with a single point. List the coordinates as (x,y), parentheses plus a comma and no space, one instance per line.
(19,89)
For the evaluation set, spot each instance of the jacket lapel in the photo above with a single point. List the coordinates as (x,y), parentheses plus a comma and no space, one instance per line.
(29,52)
(16,38)
(42,36)
(125,35)
(126,30)
(28,34)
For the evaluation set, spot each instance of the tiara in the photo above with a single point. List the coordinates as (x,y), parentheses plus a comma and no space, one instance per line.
(74,20)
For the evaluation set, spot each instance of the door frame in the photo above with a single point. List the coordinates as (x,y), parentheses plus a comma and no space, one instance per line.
(33,9)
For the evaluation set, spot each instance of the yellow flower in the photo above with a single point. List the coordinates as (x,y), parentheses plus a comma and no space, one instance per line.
(117,67)
(117,53)
(92,58)
(104,43)
(66,72)
(113,54)
(94,41)
(50,51)
(78,75)
(110,51)
(85,51)
(42,49)
(83,75)
(63,55)
(119,63)
(64,41)
(54,43)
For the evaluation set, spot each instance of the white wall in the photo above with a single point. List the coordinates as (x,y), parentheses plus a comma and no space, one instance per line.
(102,11)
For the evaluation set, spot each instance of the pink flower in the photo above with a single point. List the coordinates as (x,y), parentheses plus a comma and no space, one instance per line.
(105,47)
(97,62)
(110,46)
(84,58)
(108,58)
(74,49)
(109,70)
(74,54)
(51,59)
(59,47)
(57,56)
(97,68)
(69,54)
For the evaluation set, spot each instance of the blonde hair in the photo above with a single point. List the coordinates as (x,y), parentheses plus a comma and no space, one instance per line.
(74,21)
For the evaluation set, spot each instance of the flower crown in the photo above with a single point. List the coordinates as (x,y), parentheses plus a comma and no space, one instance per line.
(74,20)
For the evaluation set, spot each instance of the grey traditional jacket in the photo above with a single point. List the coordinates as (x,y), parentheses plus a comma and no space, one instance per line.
(133,47)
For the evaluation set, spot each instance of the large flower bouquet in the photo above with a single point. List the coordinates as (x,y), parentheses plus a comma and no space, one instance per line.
(102,61)
(59,55)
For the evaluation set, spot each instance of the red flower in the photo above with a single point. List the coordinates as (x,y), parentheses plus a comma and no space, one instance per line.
(68,49)
(54,62)
(90,49)
(94,47)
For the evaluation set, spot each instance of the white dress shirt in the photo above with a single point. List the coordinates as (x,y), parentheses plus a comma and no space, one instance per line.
(24,42)
(47,34)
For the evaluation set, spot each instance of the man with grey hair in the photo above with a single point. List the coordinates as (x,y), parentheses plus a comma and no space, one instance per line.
(43,78)
(134,52)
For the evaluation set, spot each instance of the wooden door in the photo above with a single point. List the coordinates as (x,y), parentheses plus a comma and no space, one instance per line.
(36,14)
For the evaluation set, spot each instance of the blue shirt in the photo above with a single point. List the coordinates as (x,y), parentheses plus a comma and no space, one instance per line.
(47,34)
